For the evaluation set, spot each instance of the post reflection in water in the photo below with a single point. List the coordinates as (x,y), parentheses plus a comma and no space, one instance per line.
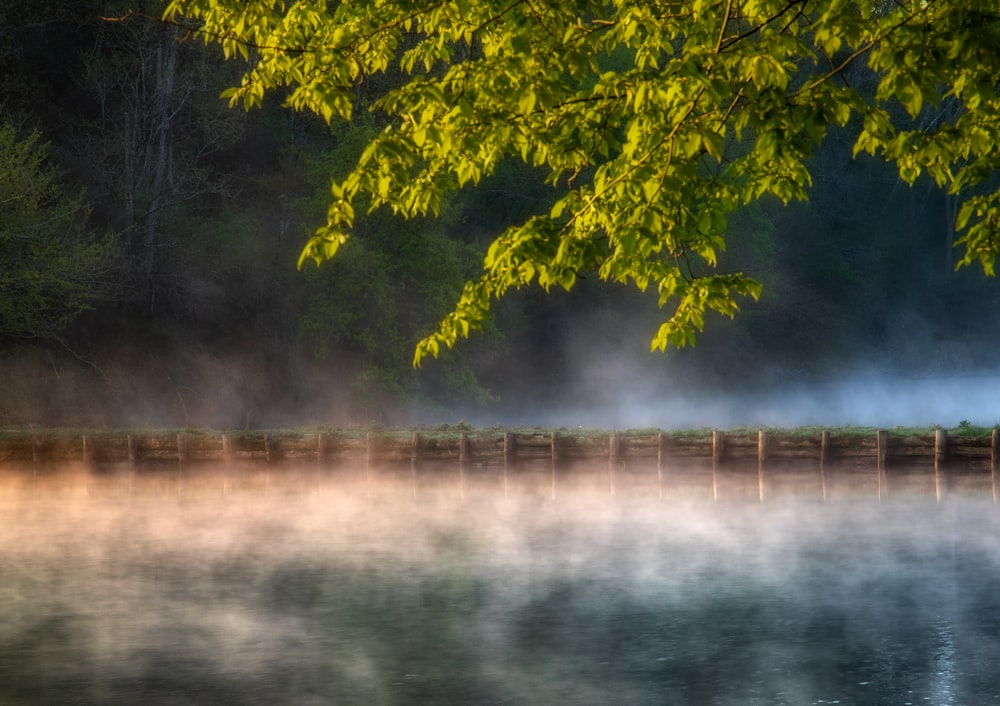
(180,590)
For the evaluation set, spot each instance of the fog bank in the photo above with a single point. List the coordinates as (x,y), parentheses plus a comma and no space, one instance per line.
(313,597)
(864,399)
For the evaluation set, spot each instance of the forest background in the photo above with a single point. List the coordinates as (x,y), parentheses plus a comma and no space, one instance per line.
(149,238)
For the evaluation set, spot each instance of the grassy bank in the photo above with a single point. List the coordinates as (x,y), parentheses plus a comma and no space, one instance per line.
(448,431)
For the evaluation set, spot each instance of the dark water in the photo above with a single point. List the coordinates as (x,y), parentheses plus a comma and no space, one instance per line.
(306,596)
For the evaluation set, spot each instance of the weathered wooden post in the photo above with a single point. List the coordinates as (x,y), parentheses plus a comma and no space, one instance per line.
(509,453)
(270,452)
(659,461)
(824,456)
(37,456)
(322,452)
(882,446)
(718,445)
(133,452)
(227,461)
(369,450)
(269,458)
(762,451)
(182,458)
(414,458)
(994,460)
(322,447)
(133,461)
(182,449)
(824,447)
(88,452)
(554,441)
(227,450)
(614,454)
(88,459)
(940,454)
(463,460)
(718,453)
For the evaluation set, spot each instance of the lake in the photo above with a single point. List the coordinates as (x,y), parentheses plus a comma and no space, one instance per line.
(307,593)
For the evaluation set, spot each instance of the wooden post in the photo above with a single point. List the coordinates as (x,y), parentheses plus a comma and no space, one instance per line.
(554,440)
(270,454)
(227,461)
(182,458)
(509,452)
(269,457)
(994,460)
(463,449)
(369,441)
(133,461)
(940,454)
(463,461)
(659,461)
(322,447)
(37,456)
(88,452)
(824,456)
(414,457)
(883,451)
(718,445)
(762,450)
(133,452)
(88,459)
(614,454)
(718,452)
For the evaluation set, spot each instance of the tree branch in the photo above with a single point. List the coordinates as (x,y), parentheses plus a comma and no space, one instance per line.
(754,30)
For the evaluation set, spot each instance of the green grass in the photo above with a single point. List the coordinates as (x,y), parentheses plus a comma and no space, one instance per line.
(447,431)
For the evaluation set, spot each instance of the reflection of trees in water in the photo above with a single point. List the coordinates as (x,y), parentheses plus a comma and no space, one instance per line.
(298,599)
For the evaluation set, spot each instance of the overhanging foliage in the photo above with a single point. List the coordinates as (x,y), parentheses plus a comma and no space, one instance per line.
(653,120)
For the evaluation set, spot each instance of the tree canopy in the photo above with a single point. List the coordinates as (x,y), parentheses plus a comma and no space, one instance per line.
(49,261)
(652,120)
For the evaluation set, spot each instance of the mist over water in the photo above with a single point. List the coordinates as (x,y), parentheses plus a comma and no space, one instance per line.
(862,399)
(300,590)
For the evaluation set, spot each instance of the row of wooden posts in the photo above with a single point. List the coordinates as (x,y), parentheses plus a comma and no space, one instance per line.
(491,447)
(738,452)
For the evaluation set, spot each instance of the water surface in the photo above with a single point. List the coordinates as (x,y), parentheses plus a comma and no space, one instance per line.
(300,593)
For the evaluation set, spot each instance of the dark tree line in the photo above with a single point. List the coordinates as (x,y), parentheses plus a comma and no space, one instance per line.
(149,239)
